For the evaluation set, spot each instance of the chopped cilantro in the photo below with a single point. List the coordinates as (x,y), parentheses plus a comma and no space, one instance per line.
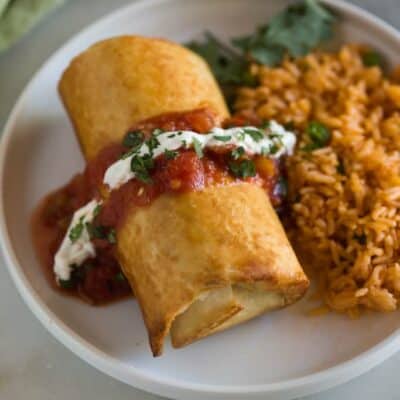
(197,147)
(237,153)
(97,210)
(141,167)
(120,277)
(243,169)
(255,134)
(74,277)
(100,232)
(152,143)
(66,283)
(76,231)
(133,139)
(222,138)
(240,135)
(274,148)
(170,154)
(95,231)
(112,236)
(265,124)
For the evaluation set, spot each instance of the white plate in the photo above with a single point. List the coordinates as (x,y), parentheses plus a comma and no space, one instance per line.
(284,354)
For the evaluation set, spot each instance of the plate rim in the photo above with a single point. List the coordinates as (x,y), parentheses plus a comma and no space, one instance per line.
(132,375)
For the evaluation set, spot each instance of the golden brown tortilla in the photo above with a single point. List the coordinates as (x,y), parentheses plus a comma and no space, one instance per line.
(121,81)
(187,246)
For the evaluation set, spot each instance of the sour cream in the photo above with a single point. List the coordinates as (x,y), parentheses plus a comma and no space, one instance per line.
(72,253)
(273,141)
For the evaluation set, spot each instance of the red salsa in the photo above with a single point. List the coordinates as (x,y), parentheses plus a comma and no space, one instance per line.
(100,280)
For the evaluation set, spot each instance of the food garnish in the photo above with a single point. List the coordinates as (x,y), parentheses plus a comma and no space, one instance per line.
(294,32)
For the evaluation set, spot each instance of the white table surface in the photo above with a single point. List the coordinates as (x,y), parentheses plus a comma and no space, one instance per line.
(33,365)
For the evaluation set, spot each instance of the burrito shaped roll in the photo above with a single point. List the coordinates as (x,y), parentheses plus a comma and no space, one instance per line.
(203,261)
(120,81)
(199,259)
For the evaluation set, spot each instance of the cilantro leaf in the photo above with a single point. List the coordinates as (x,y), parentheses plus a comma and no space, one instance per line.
(170,154)
(112,236)
(133,139)
(97,210)
(152,143)
(120,277)
(141,166)
(95,231)
(300,28)
(237,153)
(243,169)
(255,134)
(197,148)
(295,31)
(228,65)
(76,231)
(222,138)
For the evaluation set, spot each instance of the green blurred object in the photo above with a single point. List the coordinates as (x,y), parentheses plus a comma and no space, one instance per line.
(17,17)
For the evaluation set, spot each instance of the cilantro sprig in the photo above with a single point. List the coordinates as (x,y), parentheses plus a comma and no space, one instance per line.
(295,31)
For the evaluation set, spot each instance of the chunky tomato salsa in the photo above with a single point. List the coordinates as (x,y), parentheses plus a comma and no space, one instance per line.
(99,279)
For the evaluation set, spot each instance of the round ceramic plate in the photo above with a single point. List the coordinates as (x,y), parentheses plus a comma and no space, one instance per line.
(283,354)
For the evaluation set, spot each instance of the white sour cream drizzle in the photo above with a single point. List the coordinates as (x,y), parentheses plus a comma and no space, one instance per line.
(275,142)
(74,253)
(275,137)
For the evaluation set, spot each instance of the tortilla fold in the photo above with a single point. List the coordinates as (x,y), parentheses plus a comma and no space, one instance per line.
(203,261)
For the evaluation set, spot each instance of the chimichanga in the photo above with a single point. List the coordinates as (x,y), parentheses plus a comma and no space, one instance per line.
(200,261)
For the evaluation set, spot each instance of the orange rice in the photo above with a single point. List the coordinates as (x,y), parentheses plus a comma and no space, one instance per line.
(345,197)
